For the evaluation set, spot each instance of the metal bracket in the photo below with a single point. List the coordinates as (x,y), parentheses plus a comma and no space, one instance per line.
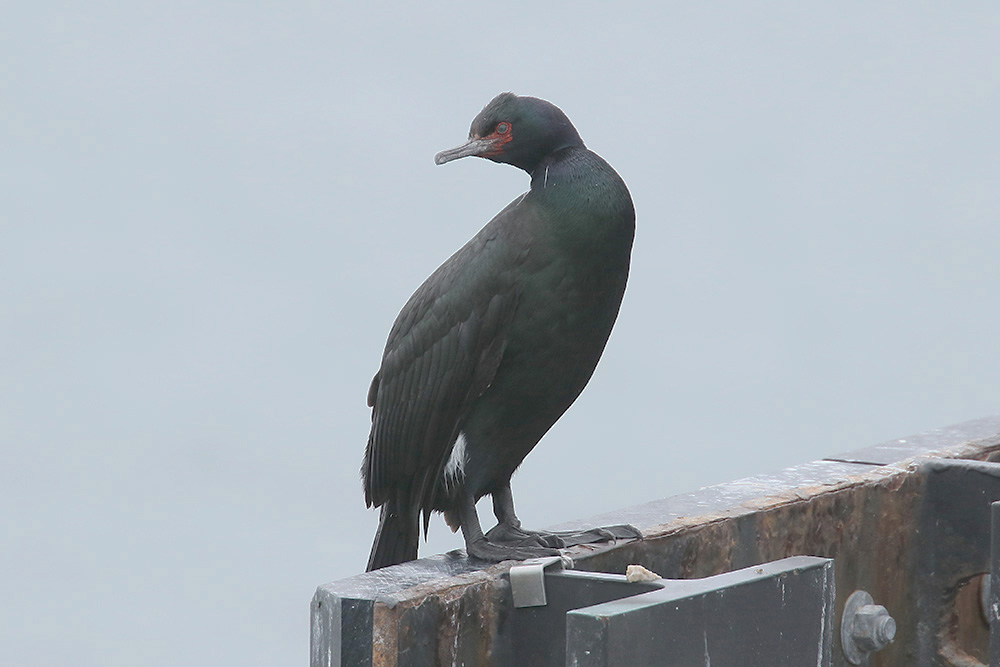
(527,580)
(954,528)
(777,613)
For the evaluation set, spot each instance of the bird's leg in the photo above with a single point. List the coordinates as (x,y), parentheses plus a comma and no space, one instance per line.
(508,529)
(477,545)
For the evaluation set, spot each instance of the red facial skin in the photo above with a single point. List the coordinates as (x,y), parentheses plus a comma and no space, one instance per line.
(498,138)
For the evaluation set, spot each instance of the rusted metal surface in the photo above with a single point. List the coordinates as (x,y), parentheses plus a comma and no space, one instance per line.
(991,601)
(866,524)
(954,554)
(863,509)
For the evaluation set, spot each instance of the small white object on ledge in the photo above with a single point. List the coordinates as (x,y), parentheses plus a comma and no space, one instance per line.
(634,573)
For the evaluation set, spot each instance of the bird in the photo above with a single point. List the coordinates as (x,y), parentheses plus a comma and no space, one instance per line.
(492,349)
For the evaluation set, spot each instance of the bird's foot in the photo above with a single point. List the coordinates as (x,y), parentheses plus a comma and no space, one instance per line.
(488,550)
(514,534)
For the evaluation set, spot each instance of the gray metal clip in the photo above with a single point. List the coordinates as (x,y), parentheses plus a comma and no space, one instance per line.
(527,580)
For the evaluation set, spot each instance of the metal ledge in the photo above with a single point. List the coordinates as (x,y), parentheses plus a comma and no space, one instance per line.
(868,510)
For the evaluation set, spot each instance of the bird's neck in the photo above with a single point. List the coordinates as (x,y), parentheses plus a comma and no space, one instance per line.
(557,168)
(583,200)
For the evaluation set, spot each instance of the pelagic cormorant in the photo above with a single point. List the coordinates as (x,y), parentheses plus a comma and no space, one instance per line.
(499,341)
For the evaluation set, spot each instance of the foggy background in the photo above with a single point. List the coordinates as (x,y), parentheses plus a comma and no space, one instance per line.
(210,214)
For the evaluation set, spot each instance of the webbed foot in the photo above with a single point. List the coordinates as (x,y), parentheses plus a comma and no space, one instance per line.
(486,550)
(504,533)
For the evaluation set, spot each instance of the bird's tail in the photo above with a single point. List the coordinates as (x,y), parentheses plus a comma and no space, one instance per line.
(396,540)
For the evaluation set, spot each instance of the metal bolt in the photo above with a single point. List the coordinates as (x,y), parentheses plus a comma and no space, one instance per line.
(874,628)
(984,596)
(865,627)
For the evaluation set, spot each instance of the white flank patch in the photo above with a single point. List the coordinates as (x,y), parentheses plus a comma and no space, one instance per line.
(454,469)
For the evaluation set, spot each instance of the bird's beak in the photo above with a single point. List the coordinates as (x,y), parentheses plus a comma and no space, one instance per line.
(481,147)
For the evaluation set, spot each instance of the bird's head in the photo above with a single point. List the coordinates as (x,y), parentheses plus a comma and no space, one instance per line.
(516,130)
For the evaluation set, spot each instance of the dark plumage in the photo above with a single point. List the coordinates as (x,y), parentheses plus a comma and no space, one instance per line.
(499,341)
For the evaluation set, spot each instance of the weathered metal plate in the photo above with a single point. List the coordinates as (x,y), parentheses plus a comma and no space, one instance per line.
(779,613)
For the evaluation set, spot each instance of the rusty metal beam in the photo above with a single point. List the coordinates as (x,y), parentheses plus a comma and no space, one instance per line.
(868,510)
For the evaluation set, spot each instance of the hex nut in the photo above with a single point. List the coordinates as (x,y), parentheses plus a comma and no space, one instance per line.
(865,627)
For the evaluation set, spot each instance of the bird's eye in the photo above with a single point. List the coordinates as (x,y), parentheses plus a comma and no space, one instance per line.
(503,128)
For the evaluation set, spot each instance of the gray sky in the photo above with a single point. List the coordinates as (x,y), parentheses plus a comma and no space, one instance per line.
(210,214)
